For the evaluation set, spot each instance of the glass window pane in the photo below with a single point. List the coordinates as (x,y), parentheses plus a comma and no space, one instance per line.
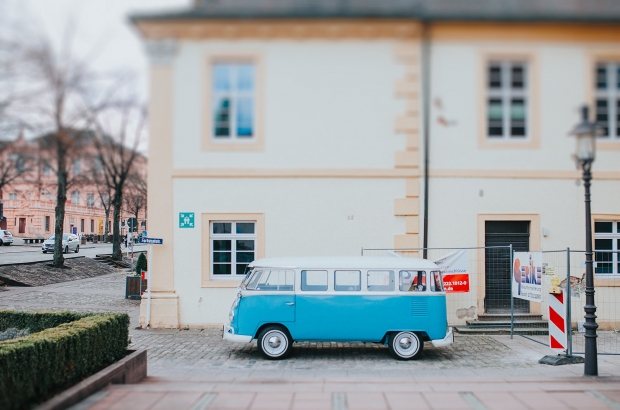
(517,76)
(601,77)
(242,268)
(221,269)
(496,111)
(347,280)
(221,116)
(603,227)
(245,77)
(245,117)
(254,280)
(222,245)
(245,227)
(412,281)
(603,255)
(221,77)
(221,256)
(245,257)
(245,245)
(314,280)
(495,76)
(222,227)
(380,280)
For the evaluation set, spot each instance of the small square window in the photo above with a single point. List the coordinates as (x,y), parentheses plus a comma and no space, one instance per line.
(347,280)
(314,280)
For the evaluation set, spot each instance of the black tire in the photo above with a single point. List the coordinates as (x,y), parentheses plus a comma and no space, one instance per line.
(7,244)
(44,251)
(66,249)
(405,350)
(77,249)
(277,349)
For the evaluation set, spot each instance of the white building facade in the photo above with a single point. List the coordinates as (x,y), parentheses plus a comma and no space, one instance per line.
(289,135)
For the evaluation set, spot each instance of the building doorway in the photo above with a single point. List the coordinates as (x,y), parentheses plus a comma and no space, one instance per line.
(498,269)
(22,225)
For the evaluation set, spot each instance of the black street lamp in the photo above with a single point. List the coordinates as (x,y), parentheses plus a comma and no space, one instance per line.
(585,134)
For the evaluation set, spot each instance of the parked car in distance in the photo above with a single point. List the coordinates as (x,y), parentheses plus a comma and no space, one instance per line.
(70,242)
(6,238)
(399,302)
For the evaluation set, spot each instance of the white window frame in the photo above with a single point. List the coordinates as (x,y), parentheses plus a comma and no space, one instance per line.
(233,237)
(234,95)
(90,200)
(615,237)
(13,196)
(506,93)
(611,94)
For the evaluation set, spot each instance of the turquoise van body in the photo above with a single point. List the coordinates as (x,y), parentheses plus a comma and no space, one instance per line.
(344,304)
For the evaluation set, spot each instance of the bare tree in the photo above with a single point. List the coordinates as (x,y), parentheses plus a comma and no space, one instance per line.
(117,142)
(135,195)
(103,191)
(16,162)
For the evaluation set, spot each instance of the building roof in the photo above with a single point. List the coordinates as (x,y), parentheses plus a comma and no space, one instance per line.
(344,263)
(433,10)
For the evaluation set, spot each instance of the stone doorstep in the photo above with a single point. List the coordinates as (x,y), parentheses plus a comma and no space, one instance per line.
(129,370)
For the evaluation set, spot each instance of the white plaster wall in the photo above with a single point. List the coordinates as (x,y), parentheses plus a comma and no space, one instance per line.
(302,217)
(457,79)
(328,104)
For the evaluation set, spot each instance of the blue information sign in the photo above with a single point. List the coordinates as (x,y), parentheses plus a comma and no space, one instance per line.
(151,241)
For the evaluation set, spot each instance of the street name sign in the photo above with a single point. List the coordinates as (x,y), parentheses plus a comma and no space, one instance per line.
(151,241)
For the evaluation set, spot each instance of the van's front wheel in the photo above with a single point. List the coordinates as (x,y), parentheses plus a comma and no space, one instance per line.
(274,342)
(405,345)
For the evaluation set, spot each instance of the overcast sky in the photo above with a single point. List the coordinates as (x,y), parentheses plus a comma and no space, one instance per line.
(101,28)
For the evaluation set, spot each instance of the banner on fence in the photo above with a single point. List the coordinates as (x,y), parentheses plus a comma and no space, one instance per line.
(453,267)
(527,276)
(558,339)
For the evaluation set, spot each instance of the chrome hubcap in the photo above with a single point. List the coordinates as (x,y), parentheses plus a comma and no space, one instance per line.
(274,342)
(405,342)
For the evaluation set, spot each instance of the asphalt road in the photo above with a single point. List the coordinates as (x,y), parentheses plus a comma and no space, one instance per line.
(25,253)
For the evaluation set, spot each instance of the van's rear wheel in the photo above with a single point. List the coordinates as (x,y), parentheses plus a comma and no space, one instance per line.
(405,345)
(274,342)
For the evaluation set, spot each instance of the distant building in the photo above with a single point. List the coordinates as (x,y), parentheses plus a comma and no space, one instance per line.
(292,128)
(29,201)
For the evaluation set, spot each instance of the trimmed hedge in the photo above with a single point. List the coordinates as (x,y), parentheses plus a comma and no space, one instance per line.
(35,367)
(38,320)
(141,264)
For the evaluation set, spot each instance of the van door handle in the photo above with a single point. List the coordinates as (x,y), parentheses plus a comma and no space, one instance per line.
(290,303)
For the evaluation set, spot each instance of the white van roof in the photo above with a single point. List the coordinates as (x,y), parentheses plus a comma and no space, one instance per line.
(344,262)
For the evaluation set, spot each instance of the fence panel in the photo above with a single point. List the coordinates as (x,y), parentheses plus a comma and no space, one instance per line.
(466,307)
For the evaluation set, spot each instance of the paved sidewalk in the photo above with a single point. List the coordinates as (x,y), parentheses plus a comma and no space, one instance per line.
(196,369)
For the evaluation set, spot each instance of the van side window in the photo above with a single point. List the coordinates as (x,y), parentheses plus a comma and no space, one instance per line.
(436,281)
(276,280)
(380,280)
(347,280)
(314,280)
(412,281)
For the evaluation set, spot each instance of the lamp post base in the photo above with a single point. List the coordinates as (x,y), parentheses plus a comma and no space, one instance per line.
(560,360)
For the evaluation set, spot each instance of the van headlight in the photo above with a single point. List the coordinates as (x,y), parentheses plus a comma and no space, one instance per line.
(231,315)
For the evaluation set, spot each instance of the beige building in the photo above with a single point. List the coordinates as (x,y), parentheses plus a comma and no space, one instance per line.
(291,128)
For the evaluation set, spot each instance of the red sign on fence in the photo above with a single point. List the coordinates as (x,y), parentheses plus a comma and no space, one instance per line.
(456,283)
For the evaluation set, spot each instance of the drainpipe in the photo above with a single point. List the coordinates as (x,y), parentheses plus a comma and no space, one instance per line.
(426,87)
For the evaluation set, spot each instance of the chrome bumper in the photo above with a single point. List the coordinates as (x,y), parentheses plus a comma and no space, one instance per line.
(229,334)
(446,341)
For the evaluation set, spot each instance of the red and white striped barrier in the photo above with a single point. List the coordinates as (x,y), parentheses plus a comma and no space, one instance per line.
(558,339)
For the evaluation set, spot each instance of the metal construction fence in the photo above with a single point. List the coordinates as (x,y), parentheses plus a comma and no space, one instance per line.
(569,265)
(485,304)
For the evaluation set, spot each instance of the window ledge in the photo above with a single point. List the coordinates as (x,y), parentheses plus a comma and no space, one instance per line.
(221,284)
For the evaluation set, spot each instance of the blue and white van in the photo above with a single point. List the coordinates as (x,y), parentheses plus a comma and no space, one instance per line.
(391,300)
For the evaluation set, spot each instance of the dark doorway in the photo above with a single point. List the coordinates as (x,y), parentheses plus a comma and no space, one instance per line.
(498,270)
(22,225)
